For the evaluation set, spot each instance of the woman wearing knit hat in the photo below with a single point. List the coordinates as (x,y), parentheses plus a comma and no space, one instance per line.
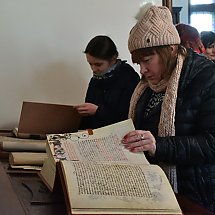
(208,39)
(110,89)
(173,106)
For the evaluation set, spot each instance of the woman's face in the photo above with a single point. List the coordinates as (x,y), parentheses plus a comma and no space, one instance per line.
(210,52)
(97,65)
(151,68)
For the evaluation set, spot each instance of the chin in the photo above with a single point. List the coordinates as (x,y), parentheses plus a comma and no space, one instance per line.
(153,82)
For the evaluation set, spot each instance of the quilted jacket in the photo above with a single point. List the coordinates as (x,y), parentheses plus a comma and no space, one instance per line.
(192,149)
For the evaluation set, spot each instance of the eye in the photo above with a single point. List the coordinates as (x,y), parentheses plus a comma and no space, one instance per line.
(211,46)
(95,64)
(98,64)
(147,59)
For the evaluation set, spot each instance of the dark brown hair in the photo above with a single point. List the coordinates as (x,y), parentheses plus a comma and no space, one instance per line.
(101,47)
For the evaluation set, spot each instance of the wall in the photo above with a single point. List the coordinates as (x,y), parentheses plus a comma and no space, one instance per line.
(184,10)
(41,48)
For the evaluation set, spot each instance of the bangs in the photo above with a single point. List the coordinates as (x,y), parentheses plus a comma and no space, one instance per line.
(167,56)
(138,54)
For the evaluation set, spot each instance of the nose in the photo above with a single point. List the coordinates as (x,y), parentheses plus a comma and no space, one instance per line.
(143,69)
(94,68)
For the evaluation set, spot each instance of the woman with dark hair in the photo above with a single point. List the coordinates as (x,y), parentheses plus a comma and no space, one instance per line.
(208,39)
(110,89)
(190,37)
(173,106)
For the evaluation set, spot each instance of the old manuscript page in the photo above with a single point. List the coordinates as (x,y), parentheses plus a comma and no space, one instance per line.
(103,145)
(101,188)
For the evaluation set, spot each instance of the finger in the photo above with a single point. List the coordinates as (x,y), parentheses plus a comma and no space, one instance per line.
(134,144)
(130,134)
(84,114)
(134,136)
(139,146)
(82,108)
(83,111)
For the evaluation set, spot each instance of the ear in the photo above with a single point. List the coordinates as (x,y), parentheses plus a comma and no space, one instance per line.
(172,47)
(113,59)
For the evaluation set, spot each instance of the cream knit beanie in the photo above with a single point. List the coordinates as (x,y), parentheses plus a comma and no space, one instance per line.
(153,28)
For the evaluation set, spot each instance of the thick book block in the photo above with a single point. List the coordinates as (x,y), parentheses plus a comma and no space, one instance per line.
(100,176)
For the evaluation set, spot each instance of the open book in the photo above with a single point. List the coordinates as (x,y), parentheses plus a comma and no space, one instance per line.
(99,176)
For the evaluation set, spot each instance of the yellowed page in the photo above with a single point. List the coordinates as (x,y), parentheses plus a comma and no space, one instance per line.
(103,145)
(118,189)
(48,173)
(26,167)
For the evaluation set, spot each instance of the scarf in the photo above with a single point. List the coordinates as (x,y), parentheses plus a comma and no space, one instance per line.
(107,73)
(166,125)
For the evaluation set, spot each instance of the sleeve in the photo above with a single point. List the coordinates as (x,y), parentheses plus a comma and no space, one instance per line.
(117,109)
(198,148)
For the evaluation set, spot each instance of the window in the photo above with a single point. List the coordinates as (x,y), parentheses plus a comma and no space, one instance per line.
(202,14)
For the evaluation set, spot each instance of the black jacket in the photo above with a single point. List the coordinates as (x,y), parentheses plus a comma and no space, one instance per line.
(192,149)
(112,95)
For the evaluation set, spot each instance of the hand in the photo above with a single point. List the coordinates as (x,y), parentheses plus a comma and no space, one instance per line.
(140,141)
(86,109)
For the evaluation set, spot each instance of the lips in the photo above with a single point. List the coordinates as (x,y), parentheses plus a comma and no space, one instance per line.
(149,77)
(212,57)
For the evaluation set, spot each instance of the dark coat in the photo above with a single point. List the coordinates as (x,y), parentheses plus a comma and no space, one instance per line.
(112,95)
(192,149)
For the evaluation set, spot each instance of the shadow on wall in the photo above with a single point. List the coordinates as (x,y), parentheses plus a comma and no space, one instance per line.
(56,83)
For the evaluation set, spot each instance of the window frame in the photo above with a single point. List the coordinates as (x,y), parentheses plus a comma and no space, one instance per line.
(200,8)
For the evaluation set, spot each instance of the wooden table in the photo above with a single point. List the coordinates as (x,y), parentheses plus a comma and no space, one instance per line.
(25,194)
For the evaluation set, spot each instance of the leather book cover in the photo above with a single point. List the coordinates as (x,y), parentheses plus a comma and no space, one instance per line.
(39,119)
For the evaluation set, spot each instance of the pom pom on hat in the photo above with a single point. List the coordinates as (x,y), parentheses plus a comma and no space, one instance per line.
(153,28)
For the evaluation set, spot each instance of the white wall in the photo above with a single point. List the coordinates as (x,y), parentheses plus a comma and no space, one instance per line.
(41,48)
